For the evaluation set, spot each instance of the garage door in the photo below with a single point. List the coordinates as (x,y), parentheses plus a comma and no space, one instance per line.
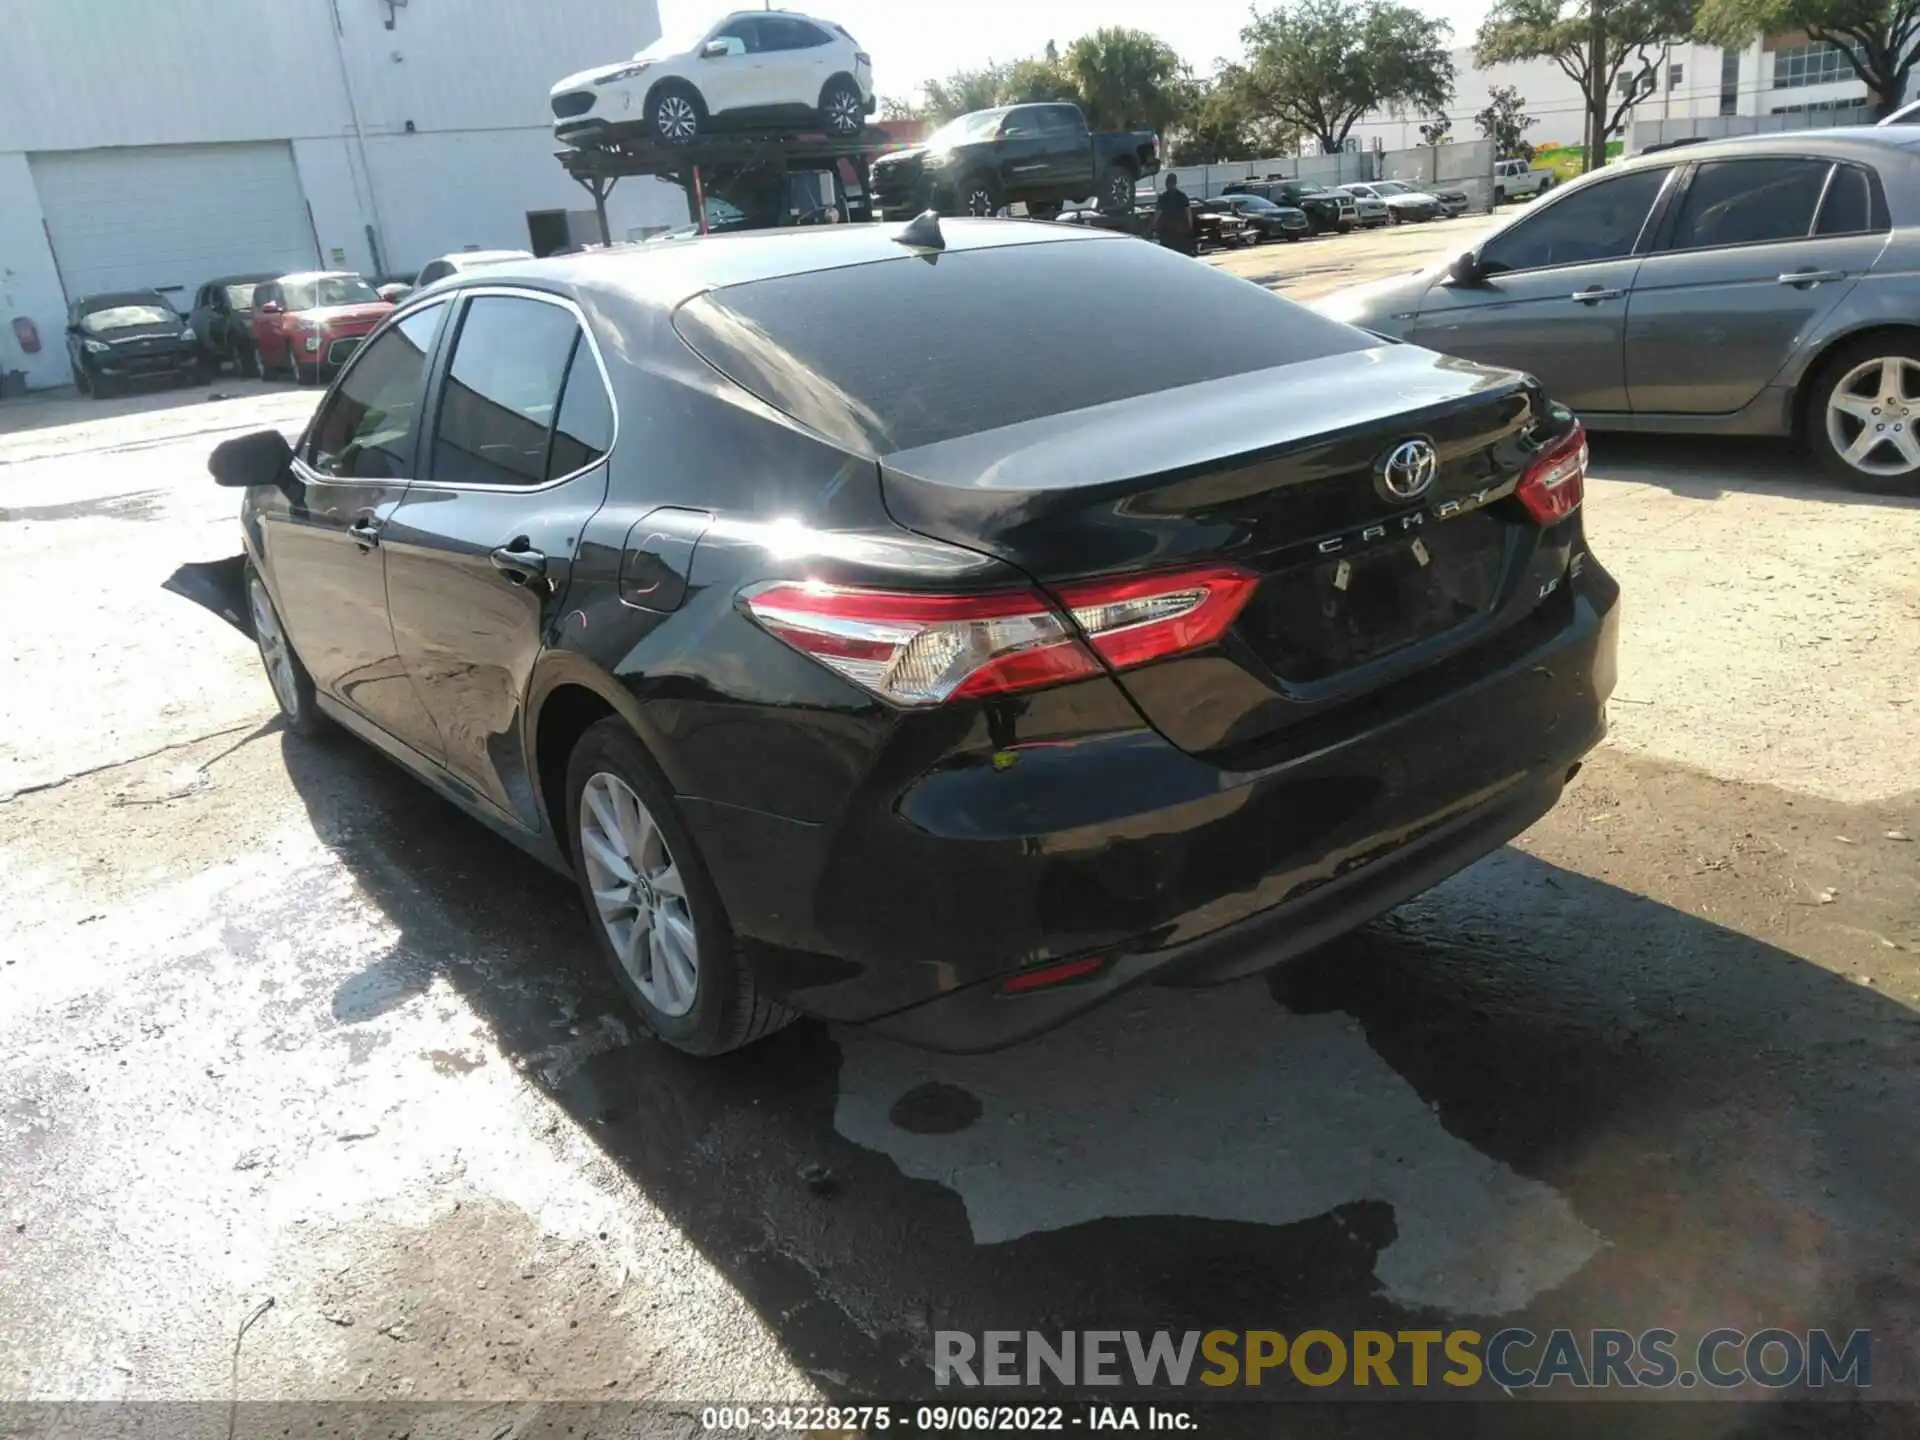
(172,217)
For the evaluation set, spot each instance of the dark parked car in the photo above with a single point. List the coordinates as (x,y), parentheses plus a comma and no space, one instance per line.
(1215,226)
(952,707)
(1265,219)
(222,318)
(128,335)
(1764,285)
(309,324)
(1325,209)
(1042,154)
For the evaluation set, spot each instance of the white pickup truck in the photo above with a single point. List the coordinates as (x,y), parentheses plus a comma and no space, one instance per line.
(1515,178)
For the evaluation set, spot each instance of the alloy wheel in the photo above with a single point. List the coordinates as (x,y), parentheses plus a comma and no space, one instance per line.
(273,647)
(639,894)
(675,118)
(843,112)
(980,201)
(1872,413)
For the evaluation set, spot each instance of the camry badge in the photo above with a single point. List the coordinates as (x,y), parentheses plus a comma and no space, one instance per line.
(1408,470)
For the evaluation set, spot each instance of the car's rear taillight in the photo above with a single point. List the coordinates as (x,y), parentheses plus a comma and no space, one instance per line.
(1555,481)
(921,649)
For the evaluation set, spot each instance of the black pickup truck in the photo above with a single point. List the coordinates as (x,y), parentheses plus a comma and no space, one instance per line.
(1041,154)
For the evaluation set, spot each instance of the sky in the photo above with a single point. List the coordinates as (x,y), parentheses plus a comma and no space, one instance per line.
(912,43)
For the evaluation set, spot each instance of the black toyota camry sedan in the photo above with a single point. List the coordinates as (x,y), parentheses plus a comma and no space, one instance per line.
(906,633)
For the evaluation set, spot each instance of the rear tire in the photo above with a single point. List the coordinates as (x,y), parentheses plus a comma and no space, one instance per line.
(656,917)
(292,684)
(1870,388)
(842,111)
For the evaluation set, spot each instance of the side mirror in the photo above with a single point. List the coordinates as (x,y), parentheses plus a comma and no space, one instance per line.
(272,307)
(713,49)
(259,458)
(1465,270)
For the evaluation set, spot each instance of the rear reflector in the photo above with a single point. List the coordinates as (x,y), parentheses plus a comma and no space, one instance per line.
(921,649)
(1555,481)
(1057,974)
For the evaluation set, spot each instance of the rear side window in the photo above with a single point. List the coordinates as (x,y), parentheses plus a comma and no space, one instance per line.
(900,353)
(584,431)
(1850,207)
(1748,202)
(502,391)
(366,430)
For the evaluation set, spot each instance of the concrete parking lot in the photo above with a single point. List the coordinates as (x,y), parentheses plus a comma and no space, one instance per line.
(276,1024)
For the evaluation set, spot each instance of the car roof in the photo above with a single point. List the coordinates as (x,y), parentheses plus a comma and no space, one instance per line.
(257,278)
(302,276)
(459,258)
(123,297)
(1860,142)
(663,276)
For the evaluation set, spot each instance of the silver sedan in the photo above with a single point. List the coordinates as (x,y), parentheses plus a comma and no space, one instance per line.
(1766,285)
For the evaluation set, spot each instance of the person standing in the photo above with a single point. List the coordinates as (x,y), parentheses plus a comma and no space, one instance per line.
(1173,218)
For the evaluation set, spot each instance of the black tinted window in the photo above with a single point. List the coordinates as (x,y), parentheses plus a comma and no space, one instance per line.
(1741,202)
(584,431)
(1598,222)
(366,429)
(987,338)
(496,409)
(1848,208)
(779,33)
(746,30)
(1061,120)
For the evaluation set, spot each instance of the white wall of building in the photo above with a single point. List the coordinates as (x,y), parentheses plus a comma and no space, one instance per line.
(1700,90)
(433,134)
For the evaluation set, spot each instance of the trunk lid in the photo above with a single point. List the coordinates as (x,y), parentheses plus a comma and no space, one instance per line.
(1277,471)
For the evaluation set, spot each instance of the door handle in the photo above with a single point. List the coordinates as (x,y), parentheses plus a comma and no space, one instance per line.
(518,561)
(1595,295)
(1805,279)
(366,531)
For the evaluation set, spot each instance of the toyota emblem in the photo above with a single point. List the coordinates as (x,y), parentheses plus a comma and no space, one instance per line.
(1409,469)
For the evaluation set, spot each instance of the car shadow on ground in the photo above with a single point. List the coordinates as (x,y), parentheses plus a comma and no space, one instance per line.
(1705,467)
(1529,1086)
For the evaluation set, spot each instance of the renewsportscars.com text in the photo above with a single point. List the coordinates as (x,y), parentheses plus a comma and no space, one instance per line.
(1511,1359)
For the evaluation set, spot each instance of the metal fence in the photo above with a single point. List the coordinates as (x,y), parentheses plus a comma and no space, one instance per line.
(1460,165)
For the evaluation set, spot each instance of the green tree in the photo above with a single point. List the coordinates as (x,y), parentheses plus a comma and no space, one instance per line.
(1505,122)
(1036,80)
(1126,79)
(1437,131)
(896,107)
(965,91)
(1880,38)
(1316,66)
(1594,42)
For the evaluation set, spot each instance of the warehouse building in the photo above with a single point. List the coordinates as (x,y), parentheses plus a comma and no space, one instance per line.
(157,144)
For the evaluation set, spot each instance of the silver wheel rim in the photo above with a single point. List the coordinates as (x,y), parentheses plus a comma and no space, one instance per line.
(1871,416)
(980,202)
(843,112)
(639,894)
(273,648)
(676,118)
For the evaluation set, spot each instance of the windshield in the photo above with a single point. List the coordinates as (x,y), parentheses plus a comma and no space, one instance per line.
(980,125)
(1298,190)
(329,290)
(680,40)
(1392,187)
(127,314)
(239,297)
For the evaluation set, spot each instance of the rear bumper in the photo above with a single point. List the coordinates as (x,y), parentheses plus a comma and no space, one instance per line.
(912,908)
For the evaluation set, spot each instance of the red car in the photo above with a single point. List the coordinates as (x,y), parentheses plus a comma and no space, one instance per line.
(310,323)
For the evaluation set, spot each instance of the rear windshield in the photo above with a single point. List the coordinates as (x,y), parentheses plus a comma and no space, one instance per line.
(328,290)
(901,353)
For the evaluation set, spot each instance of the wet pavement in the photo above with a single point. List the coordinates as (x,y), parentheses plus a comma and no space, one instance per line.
(276,1023)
